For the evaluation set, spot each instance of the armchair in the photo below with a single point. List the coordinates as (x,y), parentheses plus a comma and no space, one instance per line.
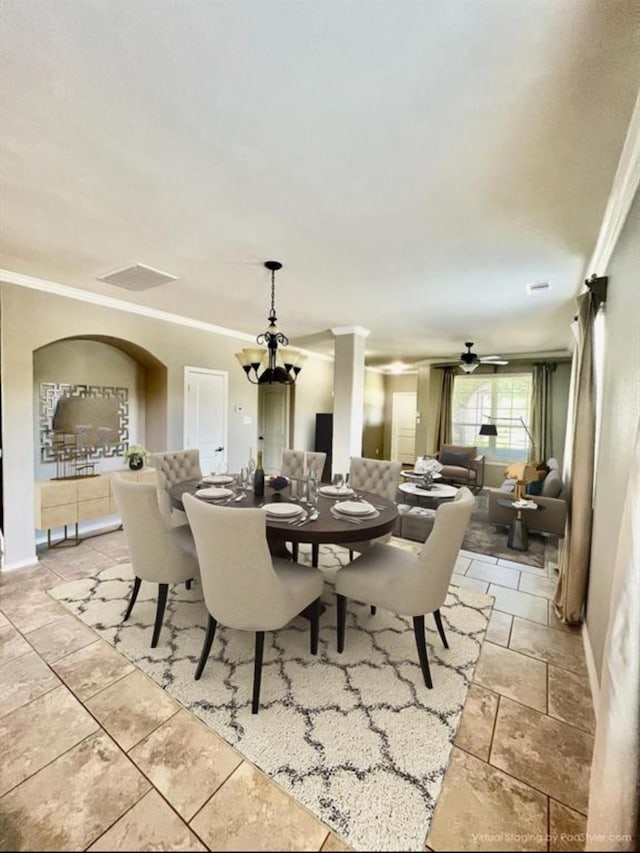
(462,464)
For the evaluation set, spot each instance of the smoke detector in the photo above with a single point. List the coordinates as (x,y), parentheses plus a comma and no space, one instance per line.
(538,286)
(137,277)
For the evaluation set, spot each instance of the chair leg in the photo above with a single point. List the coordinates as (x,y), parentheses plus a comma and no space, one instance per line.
(188,584)
(350,555)
(206,646)
(314,624)
(438,618)
(257,671)
(315,555)
(163,589)
(132,600)
(342,620)
(418,630)
(294,551)
(373,609)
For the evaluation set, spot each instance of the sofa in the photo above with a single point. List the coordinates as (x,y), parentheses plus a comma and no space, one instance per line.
(552,497)
(462,464)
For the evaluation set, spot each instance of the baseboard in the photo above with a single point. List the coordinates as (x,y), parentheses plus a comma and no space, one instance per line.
(592,671)
(20,564)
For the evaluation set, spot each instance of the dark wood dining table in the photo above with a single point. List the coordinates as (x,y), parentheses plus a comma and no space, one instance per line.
(326,529)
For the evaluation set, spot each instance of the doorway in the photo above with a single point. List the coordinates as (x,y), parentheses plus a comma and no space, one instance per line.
(403,427)
(274,420)
(205,416)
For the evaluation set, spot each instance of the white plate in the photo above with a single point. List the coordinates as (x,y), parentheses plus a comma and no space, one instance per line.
(283,510)
(336,491)
(217,479)
(354,507)
(214,493)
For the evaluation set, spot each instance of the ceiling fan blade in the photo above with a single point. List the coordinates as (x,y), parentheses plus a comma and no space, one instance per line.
(494,359)
(491,358)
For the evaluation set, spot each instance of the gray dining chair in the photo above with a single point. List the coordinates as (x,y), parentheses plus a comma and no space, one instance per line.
(244,587)
(159,553)
(405,583)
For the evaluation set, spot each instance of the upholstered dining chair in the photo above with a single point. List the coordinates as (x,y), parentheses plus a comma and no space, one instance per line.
(159,553)
(377,476)
(244,587)
(296,463)
(389,577)
(174,466)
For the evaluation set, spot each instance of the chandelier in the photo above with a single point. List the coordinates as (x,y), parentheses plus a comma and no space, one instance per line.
(278,365)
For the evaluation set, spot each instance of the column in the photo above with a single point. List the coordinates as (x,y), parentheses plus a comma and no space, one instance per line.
(348,394)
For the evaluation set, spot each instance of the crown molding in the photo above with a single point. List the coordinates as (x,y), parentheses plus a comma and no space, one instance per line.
(33,283)
(623,191)
(360,331)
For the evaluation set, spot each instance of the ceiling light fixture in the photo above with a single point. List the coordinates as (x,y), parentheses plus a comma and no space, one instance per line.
(279,365)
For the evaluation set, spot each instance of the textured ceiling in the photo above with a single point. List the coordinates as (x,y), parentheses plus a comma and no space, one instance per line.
(413,165)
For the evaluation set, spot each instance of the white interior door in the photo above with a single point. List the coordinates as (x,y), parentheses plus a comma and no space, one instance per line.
(403,427)
(205,416)
(273,424)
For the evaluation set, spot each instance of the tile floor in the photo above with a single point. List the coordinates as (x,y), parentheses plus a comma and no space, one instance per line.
(82,767)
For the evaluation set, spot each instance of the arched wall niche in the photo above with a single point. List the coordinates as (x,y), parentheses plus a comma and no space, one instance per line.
(106,362)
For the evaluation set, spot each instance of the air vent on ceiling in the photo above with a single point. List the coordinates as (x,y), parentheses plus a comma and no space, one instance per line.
(537,286)
(137,277)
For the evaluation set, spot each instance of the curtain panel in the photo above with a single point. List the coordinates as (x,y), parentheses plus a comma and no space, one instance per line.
(575,553)
(541,404)
(444,431)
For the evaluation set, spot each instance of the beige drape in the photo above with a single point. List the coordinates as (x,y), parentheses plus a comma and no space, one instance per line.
(614,796)
(541,404)
(443,433)
(574,554)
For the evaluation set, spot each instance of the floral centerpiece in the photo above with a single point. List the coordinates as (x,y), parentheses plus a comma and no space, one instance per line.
(135,456)
(277,482)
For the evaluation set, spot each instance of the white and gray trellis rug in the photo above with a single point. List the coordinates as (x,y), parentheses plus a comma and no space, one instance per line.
(357,738)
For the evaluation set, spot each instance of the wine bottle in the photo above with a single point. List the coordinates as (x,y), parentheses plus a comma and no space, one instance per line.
(258,478)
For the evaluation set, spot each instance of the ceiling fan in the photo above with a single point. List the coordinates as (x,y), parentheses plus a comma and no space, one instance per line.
(470,360)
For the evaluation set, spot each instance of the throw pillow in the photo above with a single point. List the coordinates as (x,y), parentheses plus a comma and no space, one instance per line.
(535,488)
(449,457)
(552,485)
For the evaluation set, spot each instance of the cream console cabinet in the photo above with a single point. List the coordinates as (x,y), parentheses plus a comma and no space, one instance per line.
(60,503)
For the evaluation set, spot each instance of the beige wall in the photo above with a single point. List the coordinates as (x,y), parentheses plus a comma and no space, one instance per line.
(32,319)
(374,406)
(618,423)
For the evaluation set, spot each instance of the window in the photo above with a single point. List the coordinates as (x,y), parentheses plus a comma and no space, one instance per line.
(507,396)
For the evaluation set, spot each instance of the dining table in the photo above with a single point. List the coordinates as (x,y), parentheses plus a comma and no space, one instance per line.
(324,529)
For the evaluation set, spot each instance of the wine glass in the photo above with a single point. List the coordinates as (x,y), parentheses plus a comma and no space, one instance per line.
(338,480)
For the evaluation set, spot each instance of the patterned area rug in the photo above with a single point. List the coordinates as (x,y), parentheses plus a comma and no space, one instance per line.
(356,738)
(484,537)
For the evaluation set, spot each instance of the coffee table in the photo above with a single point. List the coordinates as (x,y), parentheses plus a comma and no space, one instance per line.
(436,493)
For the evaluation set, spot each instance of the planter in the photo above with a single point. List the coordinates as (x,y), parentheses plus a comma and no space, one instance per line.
(136,462)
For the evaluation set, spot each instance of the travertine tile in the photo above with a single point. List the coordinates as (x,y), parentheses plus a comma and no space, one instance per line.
(519,603)
(485,558)
(461,566)
(83,565)
(517,676)
(543,752)
(480,808)
(544,587)
(476,724)
(186,761)
(493,574)
(91,668)
(29,609)
(150,825)
(567,829)
(12,643)
(61,638)
(69,803)
(560,648)
(469,583)
(35,734)
(36,577)
(113,545)
(132,708)
(333,844)
(499,628)
(23,679)
(250,812)
(523,567)
(570,699)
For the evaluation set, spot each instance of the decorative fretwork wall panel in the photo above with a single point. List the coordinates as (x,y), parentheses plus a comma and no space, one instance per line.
(97,414)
